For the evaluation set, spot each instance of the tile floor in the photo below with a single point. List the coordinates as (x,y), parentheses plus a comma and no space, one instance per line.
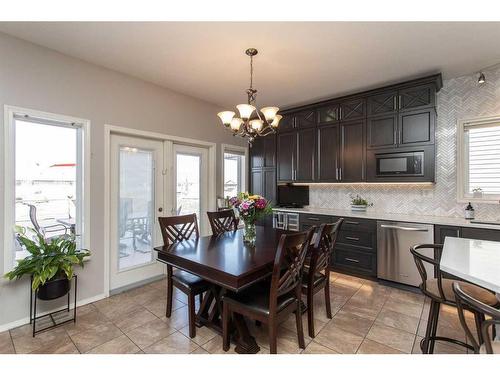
(368,318)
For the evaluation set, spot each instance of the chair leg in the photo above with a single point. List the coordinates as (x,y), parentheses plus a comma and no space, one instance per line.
(428,331)
(192,315)
(327,300)
(434,326)
(170,292)
(310,313)
(298,323)
(273,340)
(200,297)
(225,326)
(479,319)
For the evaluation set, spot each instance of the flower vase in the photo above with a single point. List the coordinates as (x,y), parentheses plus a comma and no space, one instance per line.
(249,233)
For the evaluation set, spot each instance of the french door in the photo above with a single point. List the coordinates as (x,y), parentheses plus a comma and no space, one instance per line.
(137,187)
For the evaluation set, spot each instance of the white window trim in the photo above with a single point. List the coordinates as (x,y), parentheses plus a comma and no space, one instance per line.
(10,112)
(239,150)
(462,159)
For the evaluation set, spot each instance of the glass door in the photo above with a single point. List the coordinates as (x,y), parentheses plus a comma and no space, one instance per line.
(190,180)
(136,202)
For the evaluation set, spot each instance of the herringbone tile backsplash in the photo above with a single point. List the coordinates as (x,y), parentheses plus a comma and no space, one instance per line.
(460,98)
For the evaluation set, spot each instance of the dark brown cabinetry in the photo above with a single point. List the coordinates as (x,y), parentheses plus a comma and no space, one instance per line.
(443,231)
(306,142)
(287,156)
(352,151)
(328,153)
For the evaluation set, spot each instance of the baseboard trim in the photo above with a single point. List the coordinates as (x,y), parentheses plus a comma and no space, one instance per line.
(26,320)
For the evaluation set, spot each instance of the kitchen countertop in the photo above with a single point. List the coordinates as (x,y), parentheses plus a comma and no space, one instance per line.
(409,218)
(476,261)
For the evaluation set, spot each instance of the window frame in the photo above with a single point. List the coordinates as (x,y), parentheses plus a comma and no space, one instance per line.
(462,159)
(10,115)
(226,148)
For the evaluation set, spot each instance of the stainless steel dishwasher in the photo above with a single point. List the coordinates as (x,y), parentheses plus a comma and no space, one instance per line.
(394,260)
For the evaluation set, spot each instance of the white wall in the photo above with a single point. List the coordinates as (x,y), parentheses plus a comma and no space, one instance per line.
(460,98)
(38,78)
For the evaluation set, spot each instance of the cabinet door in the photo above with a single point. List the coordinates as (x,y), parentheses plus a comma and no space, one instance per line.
(306,142)
(256,153)
(328,114)
(269,185)
(287,153)
(417,97)
(328,153)
(256,182)
(480,234)
(443,231)
(416,127)
(352,152)
(305,119)
(383,103)
(287,123)
(353,109)
(381,131)
(269,150)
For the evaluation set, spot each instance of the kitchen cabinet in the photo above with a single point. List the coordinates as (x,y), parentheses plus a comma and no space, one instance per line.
(416,127)
(305,119)
(442,231)
(287,123)
(306,146)
(353,109)
(329,114)
(287,154)
(381,131)
(328,141)
(352,151)
(417,97)
(383,103)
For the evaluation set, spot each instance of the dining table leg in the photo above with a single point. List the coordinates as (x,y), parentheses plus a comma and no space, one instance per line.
(245,342)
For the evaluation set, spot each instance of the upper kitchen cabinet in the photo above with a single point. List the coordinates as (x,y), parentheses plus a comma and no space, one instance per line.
(352,151)
(329,114)
(416,127)
(287,154)
(417,97)
(353,109)
(263,152)
(305,119)
(382,131)
(383,103)
(328,141)
(287,123)
(306,139)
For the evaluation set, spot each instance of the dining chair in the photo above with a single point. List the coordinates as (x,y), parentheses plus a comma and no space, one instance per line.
(484,344)
(176,229)
(223,221)
(271,301)
(316,276)
(45,231)
(440,291)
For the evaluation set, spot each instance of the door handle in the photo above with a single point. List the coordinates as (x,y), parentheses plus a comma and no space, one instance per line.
(352,260)
(410,229)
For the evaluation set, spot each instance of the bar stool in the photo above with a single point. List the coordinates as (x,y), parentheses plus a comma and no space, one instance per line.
(440,291)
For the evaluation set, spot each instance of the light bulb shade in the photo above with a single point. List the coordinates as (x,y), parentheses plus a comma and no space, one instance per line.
(236,123)
(245,110)
(276,121)
(270,113)
(226,116)
(256,125)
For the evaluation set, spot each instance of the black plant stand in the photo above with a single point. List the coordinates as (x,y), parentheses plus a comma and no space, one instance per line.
(33,316)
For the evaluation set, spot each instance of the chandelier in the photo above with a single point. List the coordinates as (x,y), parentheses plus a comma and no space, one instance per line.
(251,125)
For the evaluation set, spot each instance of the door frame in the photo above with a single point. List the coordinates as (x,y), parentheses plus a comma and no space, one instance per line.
(118,130)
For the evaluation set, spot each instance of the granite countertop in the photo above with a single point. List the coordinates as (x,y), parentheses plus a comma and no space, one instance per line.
(410,218)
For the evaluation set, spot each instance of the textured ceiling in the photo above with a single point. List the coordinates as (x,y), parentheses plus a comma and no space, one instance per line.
(297,62)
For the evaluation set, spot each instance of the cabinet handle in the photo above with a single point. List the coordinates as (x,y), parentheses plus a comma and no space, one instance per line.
(352,238)
(352,222)
(313,218)
(352,260)
(337,173)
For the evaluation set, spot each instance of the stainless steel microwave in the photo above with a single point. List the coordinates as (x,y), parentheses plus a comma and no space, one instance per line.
(400,164)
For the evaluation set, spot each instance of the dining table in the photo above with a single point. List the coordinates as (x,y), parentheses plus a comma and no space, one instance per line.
(228,264)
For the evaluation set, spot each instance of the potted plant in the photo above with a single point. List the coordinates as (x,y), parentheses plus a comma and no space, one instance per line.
(50,263)
(359,204)
(477,192)
(250,208)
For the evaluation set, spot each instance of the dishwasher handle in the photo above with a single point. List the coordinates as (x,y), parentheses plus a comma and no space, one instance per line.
(410,229)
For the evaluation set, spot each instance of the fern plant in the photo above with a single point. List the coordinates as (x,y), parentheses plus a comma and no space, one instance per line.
(48,257)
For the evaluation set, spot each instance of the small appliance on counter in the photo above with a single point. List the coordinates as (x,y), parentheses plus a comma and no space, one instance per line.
(291,196)
(469,212)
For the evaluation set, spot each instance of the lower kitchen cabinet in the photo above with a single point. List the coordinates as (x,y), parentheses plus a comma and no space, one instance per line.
(354,261)
(443,231)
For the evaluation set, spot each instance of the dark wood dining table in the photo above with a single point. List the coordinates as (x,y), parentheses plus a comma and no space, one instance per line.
(228,264)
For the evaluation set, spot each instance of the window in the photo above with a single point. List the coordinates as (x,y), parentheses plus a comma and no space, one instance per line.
(234,171)
(45,178)
(479,160)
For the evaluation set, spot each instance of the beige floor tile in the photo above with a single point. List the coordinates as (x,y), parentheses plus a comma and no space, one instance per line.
(27,344)
(339,340)
(176,343)
(456,333)
(120,345)
(352,323)
(439,348)
(90,338)
(372,347)
(148,295)
(342,290)
(349,281)
(397,320)
(288,342)
(203,334)
(291,325)
(392,337)
(178,318)
(315,348)
(65,346)
(23,330)
(200,350)
(361,309)
(159,306)
(406,296)
(150,333)
(6,345)
(86,322)
(407,308)
(134,319)
(214,346)
(160,284)
(117,305)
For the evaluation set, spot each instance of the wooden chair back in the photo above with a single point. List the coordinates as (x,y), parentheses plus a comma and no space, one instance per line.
(466,302)
(178,228)
(288,264)
(222,221)
(420,260)
(322,249)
